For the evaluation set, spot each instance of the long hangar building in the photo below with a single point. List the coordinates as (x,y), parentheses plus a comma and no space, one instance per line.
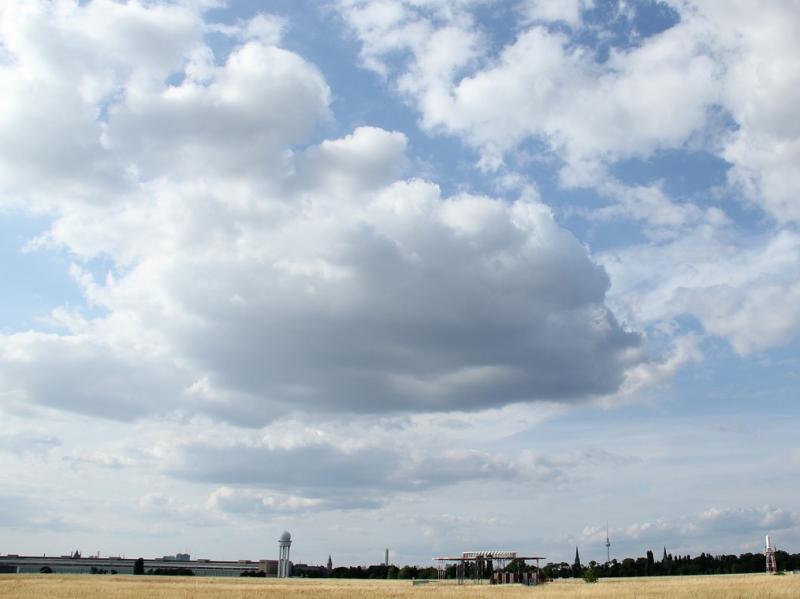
(11,564)
(75,564)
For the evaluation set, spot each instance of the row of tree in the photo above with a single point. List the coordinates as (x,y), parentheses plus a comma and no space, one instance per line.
(382,571)
(669,565)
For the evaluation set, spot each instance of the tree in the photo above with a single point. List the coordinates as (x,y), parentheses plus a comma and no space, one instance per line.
(138,566)
(641,566)
(407,572)
(378,571)
(340,572)
(628,567)
(430,573)
(590,575)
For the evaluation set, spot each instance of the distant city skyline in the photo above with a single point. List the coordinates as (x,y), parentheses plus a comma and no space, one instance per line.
(436,276)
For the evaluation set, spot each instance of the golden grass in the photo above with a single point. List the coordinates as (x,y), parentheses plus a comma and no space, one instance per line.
(50,586)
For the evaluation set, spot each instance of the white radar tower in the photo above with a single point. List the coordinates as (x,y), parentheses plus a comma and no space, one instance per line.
(284,565)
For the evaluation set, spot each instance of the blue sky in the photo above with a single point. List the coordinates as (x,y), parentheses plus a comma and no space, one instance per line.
(429,275)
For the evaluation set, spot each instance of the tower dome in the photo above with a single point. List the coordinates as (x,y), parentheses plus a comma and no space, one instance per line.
(285,537)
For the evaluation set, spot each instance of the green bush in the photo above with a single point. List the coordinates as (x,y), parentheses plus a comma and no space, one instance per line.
(590,575)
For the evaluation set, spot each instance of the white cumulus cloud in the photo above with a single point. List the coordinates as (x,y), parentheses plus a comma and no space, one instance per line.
(252,274)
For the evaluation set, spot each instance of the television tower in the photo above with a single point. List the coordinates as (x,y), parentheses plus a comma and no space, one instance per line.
(772,565)
(608,547)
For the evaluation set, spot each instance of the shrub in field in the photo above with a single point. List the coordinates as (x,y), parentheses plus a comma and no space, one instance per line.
(171,572)
(590,575)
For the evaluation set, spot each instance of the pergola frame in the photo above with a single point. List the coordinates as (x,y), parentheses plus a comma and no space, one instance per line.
(499,559)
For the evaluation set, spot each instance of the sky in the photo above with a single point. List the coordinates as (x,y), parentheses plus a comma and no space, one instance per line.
(425,275)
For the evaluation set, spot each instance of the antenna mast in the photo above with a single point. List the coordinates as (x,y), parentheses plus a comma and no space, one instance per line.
(608,547)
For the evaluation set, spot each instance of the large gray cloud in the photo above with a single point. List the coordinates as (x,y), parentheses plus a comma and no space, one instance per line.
(409,302)
(253,277)
(328,476)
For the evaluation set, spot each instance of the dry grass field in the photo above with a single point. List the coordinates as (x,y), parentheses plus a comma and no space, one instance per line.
(750,586)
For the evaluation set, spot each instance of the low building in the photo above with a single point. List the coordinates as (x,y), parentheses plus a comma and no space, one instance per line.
(113,565)
(269,567)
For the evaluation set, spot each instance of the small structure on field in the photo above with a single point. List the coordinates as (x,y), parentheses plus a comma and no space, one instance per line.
(772,565)
(493,563)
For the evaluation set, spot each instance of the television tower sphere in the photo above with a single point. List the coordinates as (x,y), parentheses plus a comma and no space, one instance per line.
(285,537)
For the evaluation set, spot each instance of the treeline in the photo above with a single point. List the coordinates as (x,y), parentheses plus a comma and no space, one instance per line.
(669,565)
(382,571)
(680,565)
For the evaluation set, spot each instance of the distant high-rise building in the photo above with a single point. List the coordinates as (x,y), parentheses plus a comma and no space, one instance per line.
(386,558)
